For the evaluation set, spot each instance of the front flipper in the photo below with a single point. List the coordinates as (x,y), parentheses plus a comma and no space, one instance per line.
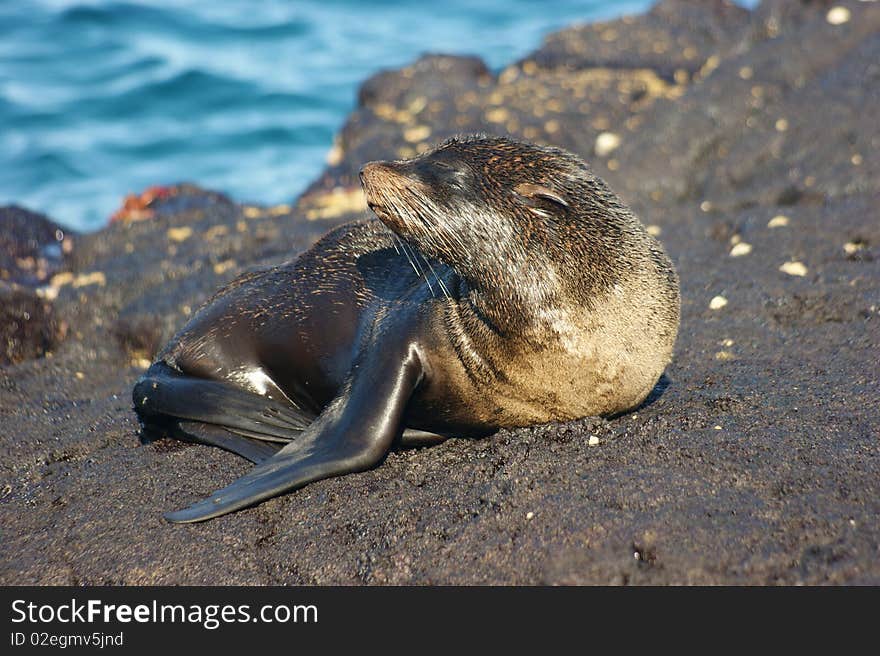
(353,433)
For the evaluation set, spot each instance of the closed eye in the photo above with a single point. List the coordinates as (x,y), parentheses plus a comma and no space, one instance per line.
(541,200)
(452,175)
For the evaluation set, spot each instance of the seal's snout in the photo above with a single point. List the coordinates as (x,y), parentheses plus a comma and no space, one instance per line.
(379,181)
(368,178)
(372,171)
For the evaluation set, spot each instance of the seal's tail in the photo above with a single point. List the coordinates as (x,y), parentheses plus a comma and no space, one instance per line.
(215,413)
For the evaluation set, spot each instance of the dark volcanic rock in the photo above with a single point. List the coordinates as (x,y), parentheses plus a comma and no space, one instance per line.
(32,247)
(752,132)
(756,462)
(674,39)
(27,326)
(32,250)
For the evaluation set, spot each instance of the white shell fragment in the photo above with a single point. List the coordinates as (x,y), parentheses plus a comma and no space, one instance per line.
(838,15)
(794,268)
(606,143)
(717,303)
(778,221)
(742,248)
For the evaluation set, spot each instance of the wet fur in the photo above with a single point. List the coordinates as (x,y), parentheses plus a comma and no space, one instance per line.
(503,285)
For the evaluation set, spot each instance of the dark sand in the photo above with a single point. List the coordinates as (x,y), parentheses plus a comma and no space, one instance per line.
(759,463)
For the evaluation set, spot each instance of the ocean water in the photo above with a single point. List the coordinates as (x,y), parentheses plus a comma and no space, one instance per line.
(101,98)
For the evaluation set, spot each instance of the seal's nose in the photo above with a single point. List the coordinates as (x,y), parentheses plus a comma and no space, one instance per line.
(365,171)
(372,171)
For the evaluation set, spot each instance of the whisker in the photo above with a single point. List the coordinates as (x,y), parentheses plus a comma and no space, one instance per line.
(416,256)
(439,280)
(408,258)
(410,255)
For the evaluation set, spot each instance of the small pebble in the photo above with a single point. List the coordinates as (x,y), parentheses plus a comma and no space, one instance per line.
(727,342)
(606,143)
(717,303)
(838,15)
(79,375)
(705,206)
(61,279)
(224,266)
(93,278)
(742,248)
(179,234)
(778,221)
(593,441)
(856,159)
(47,292)
(497,115)
(530,514)
(278,210)
(794,268)
(654,230)
(851,247)
(781,125)
(417,133)
(717,427)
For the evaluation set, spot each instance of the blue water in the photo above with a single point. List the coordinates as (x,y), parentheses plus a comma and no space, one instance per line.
(100,98)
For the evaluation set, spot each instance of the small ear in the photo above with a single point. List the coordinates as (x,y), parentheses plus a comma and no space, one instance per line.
(538,192)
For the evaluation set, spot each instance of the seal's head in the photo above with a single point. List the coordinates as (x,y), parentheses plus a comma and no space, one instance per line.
(518,221)
(475,188)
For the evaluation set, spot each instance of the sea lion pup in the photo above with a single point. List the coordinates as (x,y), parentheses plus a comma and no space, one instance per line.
(504,285)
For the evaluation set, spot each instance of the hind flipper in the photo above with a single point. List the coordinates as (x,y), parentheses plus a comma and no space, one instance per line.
(353,433)
(255,450)
(165,391)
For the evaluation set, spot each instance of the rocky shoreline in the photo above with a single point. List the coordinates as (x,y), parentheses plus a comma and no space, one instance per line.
(746,140)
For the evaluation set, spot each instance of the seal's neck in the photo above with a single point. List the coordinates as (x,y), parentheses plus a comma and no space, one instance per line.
(509,281)
(519,274)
